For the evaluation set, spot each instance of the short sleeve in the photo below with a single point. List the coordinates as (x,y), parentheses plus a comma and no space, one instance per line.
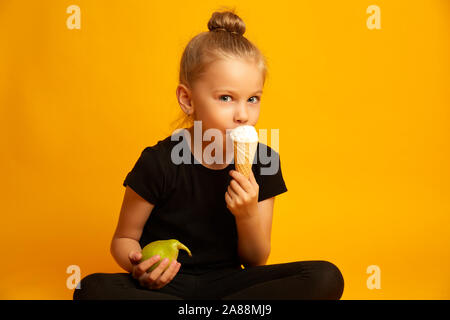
(147,176)
(268,173)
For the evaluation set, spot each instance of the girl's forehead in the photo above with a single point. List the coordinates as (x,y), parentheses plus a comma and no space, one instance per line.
(233,73)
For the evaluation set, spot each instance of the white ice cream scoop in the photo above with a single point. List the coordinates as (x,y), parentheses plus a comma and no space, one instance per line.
(244,134)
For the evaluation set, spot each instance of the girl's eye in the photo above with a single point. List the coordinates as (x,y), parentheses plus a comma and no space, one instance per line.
(224,96)
(257,99)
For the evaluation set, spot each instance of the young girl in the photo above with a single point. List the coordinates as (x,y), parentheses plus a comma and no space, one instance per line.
(224,218)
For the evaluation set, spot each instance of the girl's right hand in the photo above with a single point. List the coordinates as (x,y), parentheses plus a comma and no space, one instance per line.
(155,279)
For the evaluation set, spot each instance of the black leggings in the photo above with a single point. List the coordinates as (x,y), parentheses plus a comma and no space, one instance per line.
(312,280)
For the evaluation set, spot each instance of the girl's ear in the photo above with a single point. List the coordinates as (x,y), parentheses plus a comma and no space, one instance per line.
(190,112)
(184,99)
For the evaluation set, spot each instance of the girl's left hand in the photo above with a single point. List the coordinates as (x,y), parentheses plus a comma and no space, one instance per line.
(242,195)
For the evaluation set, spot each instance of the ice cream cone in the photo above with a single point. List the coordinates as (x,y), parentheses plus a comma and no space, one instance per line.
(245,143)
(244,153)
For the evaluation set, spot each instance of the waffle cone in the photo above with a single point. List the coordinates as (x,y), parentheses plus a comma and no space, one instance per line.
(244,153)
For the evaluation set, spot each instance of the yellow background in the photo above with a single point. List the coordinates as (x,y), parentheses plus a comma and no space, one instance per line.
(363,118)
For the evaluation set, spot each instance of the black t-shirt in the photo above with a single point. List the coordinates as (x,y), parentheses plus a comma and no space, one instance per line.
(189,203)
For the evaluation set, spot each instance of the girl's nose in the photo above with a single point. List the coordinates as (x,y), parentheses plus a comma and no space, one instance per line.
(241,114)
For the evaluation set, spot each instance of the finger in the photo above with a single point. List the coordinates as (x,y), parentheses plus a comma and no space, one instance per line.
(232,194)
(143,279)
(174,273)
(156,273)
(242,180)
(253,179)
(169,273)
(146,264)
(134,257)
(228,199)
(238,189)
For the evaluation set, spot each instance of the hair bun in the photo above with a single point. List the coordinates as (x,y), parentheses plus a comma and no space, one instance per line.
(226,21)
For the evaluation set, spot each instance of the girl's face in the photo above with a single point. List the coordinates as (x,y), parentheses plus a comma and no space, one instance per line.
(228,94)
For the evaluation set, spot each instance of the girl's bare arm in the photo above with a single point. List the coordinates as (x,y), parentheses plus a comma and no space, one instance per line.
(133,215)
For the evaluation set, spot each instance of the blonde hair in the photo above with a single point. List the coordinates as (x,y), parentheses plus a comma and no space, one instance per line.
(225,39)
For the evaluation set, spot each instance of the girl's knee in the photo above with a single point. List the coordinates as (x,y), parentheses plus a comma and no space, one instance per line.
(87,286)
(92,279)
(331,280)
